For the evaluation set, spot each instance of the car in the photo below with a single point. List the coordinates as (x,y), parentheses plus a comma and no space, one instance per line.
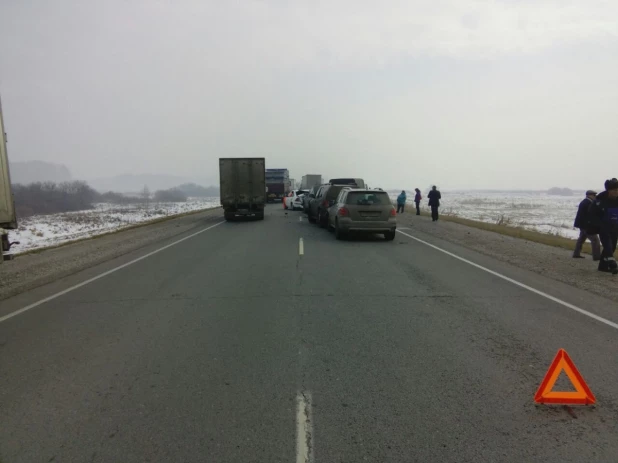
(363,210)
(294,199)
(310,196)
(324,198)
(358,182)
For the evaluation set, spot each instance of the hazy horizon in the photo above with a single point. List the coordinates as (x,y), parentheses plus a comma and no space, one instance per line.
(467,95)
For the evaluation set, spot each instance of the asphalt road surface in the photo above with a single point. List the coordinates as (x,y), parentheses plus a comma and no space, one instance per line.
(244,343)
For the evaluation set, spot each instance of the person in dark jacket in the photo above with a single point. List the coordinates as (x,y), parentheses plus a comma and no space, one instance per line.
(434,202)
(417,200)
(401,201)
(603,219)
(581,222)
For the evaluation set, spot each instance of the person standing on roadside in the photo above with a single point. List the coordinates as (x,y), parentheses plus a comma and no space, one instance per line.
(434,202)
(401,201)
(581,222)
(603,219)
(417,200)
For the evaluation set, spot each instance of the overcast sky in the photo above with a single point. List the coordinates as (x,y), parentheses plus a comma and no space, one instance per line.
(462,93)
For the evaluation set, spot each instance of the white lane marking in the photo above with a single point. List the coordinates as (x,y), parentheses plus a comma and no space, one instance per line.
(521,285)
(304,432)
(104,274)
(301,248)
(300,219)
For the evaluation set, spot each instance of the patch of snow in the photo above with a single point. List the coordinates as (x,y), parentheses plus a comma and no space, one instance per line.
(48,230)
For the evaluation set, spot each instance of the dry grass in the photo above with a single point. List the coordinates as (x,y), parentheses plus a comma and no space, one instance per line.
(502,227)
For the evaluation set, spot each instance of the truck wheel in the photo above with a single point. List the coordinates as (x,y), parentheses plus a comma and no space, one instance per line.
(229,217)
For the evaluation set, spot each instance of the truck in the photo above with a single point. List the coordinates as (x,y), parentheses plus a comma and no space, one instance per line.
(278,183)
(310,180)
(8,217)
(242,186)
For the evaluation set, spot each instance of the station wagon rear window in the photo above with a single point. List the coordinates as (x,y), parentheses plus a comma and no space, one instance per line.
(368,198)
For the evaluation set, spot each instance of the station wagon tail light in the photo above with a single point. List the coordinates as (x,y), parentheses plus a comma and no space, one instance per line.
(393,212)
(343,212)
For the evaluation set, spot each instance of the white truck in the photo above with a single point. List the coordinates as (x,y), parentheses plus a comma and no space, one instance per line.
(310,180)
(8,218)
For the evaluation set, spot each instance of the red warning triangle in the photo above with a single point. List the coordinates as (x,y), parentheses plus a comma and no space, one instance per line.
(582,395)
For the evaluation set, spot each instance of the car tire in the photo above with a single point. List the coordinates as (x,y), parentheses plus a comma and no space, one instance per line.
(259,216)
(321,220)
(310,218)
(389,236)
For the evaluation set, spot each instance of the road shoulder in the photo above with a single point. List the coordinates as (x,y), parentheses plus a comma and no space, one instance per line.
(551,262)
(35,269)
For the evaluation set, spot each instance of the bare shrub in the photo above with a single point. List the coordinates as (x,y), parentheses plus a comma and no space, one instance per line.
(173,195)
(50,198)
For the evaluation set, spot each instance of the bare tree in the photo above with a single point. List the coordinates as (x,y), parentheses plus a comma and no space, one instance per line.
(145,194)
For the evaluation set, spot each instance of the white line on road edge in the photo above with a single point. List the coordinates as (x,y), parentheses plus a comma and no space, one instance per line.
(521,285)
(104,274)
(300,219)
(301,248)
(304,433)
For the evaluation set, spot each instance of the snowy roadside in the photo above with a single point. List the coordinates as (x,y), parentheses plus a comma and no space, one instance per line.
(530,210)
(50,230)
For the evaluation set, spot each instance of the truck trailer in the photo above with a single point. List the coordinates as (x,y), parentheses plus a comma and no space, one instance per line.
(242,187)
(8,217)
(278,183)
(310,180)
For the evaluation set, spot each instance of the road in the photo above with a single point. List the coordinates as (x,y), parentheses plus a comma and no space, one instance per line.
(232,346)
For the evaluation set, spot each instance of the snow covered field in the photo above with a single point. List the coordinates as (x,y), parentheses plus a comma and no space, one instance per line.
(532,210)
(48,230)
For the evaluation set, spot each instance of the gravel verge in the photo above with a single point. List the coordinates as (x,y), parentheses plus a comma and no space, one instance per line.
(552,262)
(42,266)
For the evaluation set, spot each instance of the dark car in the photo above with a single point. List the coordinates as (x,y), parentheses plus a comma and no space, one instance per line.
(310,196)
(353,182)
(324,198)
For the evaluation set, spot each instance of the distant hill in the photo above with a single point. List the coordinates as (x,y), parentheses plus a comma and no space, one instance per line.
(131,183)
(26,172)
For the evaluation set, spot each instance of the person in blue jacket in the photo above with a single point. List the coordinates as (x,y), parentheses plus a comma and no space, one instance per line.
(401,202)
(603,219)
